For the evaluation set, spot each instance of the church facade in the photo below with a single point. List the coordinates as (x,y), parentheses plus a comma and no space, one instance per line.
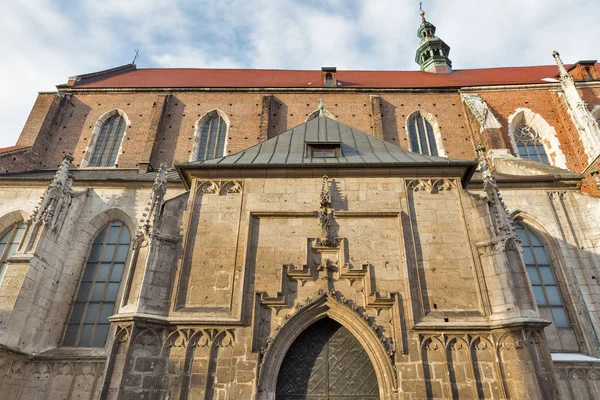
(279,234)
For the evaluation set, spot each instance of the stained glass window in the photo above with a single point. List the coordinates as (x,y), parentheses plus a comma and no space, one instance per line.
(529,144)
(108,143)
(422,139)
(97,294)
(212,138)
(9,244)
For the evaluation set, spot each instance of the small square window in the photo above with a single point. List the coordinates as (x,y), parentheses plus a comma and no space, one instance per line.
(323,153)
(324,150)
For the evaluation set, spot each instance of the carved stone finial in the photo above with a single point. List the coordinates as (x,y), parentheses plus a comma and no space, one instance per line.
(505,228)
(326,213)
(153,211)
(57,197)
(564,74)
(484,166)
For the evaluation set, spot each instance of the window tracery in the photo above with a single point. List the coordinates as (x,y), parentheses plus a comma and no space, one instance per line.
(529,144)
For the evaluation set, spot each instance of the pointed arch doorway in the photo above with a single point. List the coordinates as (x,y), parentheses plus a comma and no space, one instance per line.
(326,362)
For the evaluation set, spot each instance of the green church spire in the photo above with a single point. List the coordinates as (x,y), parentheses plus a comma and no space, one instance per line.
(432,54)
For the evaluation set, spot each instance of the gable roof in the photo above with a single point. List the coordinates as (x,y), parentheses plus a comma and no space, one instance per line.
(264,78)
(359,150)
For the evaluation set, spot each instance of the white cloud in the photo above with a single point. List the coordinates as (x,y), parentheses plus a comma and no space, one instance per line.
(48,42)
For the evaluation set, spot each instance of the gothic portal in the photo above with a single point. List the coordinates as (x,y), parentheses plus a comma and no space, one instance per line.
(326,362)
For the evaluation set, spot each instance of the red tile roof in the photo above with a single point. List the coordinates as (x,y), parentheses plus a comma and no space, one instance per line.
(259,78)
(11,149)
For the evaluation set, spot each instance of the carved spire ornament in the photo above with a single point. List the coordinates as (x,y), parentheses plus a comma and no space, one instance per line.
(504,224)
(585,122)
(53,204)
(564,74)
(326,213)
(152,212)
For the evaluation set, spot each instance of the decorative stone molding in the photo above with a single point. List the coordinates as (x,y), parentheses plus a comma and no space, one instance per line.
(52,207)
(153,212)
(219,187)
(557,194)
(332,296)
(480,111)
(318,112)
(325,214)
(505,229)
(195,337)
(353,274)
(496,246)
(123,332)
(431,185)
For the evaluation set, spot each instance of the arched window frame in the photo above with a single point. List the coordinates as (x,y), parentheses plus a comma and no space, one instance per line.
(317,112)
(546,132)
(437,132)
(124,280)
(596,113)
(16,231)
(198,133)
(557,264)
(89,151)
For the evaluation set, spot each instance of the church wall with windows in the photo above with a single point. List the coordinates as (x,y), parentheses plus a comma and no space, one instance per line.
(134,279)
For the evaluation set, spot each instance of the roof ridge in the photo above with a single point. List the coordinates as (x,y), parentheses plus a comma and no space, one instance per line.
(338,70)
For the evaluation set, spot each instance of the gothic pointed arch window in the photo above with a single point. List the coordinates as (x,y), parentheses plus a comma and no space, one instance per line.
(108,141)
(421,135)
(533,138)
(9,243)
(97,294)
(547,291)
(211,137)
(529,144)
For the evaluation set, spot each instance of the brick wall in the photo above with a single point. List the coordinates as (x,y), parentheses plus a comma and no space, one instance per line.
(58,125)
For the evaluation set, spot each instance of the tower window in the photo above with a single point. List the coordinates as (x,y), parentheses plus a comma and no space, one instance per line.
(422,139)
(108,142)
(529,144)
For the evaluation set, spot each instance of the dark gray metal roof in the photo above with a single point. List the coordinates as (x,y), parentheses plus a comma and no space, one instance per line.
(91,174)
(290,149)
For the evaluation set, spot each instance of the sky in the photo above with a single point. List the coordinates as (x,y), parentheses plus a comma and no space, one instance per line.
(45,42)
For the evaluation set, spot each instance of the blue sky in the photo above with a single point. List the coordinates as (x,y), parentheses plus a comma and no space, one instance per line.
(44,42)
